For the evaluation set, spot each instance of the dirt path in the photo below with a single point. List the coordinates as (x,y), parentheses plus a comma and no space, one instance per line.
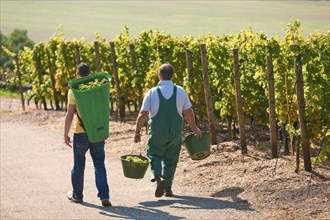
(35,178)
(36,166)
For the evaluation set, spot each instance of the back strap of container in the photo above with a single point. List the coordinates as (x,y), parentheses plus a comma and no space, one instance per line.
(80,121)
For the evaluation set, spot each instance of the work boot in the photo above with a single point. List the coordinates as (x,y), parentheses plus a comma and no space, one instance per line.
(106,202)
(168,191)
(160,190)
(72,199)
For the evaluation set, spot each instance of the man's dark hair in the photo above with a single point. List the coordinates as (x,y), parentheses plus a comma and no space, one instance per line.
(167,71)
(83,69)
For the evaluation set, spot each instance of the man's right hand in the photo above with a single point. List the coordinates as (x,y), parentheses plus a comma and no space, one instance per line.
(137,137)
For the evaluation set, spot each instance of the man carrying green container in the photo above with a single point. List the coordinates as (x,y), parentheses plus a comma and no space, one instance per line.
(164,105)
(81,144)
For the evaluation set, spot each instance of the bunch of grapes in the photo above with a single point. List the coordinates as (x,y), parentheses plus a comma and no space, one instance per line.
(92,84)
(136,159)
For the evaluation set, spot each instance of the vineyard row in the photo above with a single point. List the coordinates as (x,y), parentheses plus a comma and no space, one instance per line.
(133,62)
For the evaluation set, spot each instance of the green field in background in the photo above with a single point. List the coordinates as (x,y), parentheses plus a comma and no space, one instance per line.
(9,93)
(82,19)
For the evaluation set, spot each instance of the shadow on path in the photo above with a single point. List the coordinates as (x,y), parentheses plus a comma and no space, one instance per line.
(136,212)
(152,209)
(191,202)
(231,192)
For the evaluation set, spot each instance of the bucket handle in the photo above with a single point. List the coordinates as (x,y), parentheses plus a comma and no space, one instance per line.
(139,147)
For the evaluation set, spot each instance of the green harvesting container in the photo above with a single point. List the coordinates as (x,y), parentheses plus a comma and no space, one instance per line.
(134,170)
(93,105)
(198,148)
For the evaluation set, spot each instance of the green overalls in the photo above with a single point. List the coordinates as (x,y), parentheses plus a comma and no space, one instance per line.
(165,140)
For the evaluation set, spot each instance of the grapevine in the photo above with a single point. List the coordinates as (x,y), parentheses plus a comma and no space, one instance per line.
(92,84)
(136,159)
(152,48)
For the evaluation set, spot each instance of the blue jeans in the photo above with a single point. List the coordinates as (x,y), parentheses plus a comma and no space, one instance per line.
(80,147)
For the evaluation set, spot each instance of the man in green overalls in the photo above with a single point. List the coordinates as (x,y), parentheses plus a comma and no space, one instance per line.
(164,105)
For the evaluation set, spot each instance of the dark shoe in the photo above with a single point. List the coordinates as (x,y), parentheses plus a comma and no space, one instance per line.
(106,202)
(72,199)
(168,192)
(160,190)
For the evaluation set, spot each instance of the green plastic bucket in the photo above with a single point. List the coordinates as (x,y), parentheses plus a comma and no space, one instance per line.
(198,148)
(134,170)
(93,105)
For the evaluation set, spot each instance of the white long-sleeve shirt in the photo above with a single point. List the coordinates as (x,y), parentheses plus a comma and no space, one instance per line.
(151,99)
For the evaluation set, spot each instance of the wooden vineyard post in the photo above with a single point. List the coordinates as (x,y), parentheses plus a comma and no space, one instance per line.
(39,71)
(65,55)
(52,79)
(190,70)
(136,74)
(239,102)
(20,81)
(120,100)
(77,54)
(301,111)
(97,56)
(208,96)
(189,66)
(66,67)
(288,121)
(272,113)
(160,54)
